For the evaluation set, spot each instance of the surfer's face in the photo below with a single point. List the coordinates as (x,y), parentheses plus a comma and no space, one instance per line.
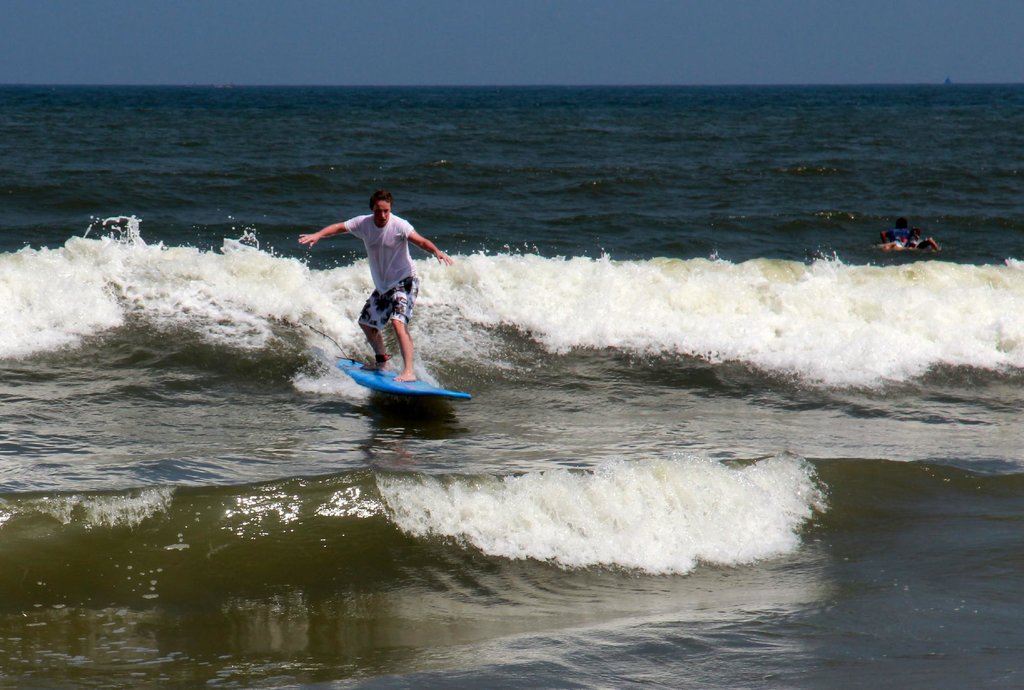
(381,213)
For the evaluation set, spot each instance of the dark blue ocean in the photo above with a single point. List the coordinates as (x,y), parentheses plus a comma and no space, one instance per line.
(718,437)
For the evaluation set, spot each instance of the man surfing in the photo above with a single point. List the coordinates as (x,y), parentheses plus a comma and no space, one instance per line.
(395,282)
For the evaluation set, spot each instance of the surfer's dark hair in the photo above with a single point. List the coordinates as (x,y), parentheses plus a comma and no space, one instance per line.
(900,222)
(380,195)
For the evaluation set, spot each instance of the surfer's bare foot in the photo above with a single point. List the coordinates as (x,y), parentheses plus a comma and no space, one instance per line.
(405,377)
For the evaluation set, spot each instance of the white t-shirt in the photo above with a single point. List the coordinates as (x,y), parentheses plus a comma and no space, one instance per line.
(387,249)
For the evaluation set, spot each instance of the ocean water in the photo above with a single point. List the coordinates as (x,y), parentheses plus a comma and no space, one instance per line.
(718,438)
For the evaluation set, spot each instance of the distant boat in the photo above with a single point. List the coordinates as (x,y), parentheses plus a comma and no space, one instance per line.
(948,81)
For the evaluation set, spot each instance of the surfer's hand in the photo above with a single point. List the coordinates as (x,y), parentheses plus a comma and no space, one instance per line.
(444,258)
(309,240)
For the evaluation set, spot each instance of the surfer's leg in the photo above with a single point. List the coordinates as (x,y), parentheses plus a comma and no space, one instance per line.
(403,298)
(374,317)
(376,340)
(405,346)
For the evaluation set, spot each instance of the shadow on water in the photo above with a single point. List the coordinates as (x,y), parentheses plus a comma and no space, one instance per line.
(420,417)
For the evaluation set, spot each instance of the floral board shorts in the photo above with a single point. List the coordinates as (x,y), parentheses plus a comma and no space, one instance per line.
(396,303)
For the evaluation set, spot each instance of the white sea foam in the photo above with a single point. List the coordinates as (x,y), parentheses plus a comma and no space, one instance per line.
(823,322)
(655,516)
(49,299)
(115,510)
(53,298)
(328,380)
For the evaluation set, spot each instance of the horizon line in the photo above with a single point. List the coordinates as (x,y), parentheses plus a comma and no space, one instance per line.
(245,85)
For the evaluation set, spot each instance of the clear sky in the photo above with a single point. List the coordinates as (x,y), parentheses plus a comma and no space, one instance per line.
(506,42)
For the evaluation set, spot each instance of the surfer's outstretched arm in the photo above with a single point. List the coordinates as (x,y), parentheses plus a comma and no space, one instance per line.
(313,238)
(430,248)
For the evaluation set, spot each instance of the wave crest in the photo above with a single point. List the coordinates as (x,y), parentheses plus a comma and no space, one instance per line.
(658,516)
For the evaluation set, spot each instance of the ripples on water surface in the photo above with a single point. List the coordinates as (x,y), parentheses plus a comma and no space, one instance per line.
(717,438)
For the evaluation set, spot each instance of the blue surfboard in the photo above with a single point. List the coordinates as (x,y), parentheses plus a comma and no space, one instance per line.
(384,381)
